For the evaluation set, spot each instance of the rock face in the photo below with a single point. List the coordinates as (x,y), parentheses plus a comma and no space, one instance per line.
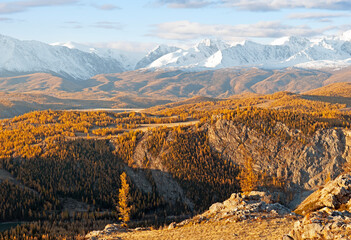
(239,207)
(304,165)
(322,219)
(335,194)
(165,184)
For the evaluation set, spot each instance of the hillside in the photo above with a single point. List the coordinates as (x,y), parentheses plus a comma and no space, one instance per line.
(15,104)
(70,161)
(143,89)
(342,89)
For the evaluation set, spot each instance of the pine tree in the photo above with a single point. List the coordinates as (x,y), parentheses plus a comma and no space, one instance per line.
(123,200)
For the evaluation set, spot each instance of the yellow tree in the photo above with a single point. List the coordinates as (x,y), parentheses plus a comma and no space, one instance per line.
(123,200)
(248,178)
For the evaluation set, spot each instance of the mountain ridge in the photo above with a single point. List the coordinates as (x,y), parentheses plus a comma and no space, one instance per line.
(81,61)
(32,56)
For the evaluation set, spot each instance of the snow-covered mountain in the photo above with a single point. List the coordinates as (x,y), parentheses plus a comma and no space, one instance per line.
(155,54)
(18,57)
(82,62)
(128,60)
(334,52)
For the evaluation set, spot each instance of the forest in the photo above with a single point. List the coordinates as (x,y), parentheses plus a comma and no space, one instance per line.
(56,156)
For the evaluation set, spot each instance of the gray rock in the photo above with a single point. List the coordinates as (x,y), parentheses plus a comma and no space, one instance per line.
(305,166)
(172,225)
(241,207)
(333,195)
(323,224)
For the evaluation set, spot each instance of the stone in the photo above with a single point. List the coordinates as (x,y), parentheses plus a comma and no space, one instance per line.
(323,224)
(334,194)
(325,212)
(172,225)
(241,207)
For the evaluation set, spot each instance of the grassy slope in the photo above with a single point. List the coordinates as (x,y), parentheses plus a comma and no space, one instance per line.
(253,229)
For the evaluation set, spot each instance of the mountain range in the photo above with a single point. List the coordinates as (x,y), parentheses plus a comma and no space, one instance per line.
(78,61)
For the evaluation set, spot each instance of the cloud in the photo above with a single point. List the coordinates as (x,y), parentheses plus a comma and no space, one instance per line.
(107,7)
(185,3)
(72,24)
(4,19)
(259,5)
(20,6)
(108,25)
(317,16)
(274,5)
(185,30)
(130,46)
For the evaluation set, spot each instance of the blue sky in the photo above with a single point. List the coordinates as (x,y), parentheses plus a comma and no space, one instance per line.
(140,25)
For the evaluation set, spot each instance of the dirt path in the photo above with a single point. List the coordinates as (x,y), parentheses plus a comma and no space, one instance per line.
(145,127)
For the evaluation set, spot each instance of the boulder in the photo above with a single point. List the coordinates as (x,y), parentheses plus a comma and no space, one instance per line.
(253,205)
(323,224)
(334,195)
(109,230)
(326,212)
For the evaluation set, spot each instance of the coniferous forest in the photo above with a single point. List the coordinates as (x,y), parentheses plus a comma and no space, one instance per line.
(63,167)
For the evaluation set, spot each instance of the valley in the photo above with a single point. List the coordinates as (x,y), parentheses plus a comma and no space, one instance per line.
(180,158)
(175,119)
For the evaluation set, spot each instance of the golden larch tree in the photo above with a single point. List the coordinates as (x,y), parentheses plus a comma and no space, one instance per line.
(248,178)
(123,200)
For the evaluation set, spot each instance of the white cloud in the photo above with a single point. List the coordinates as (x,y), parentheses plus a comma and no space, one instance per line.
(106,7)
(185,3)
(136,47)
(20,6)
(273,5)
(3,19)
(108,25)
(317,16)
(185,30)
(260,5)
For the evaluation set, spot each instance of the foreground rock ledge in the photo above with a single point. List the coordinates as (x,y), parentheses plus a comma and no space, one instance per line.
(334,195)
(323,224)
(326,213)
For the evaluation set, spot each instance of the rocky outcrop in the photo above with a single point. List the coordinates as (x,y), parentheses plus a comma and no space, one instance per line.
(305,165)
(109,230)
(166,185)
(323,216)
(323,224)
(239,207)
(334,195)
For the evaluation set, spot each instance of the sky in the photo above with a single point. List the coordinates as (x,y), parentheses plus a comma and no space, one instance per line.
(136,25)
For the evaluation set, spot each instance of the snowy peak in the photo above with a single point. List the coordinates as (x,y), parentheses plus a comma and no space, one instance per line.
(283,52)
(127,62)
(214,44)
(82,61)
(31,56)
(155,54)
(346,36)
